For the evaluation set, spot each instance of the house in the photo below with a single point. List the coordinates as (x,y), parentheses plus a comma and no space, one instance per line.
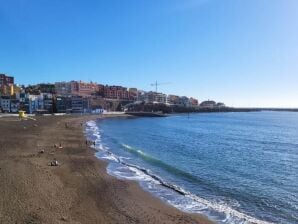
(116,92)
(76,104)
(220,104)
(172,99)
(48,100)
(35,103)
(193,102)
(63,104)
(133,94)
(152,97)
(14,105)
(184,101)
(5,84)
(5,103)
(208,104)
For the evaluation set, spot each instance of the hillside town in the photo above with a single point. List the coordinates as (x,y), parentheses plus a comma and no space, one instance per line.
(87,97)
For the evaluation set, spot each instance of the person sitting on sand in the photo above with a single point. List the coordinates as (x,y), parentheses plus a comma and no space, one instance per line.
(54,162)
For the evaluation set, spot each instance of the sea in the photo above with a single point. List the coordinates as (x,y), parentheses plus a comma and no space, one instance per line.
(232,167)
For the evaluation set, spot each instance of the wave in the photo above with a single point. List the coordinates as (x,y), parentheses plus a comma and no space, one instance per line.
(231,215)
(156,162)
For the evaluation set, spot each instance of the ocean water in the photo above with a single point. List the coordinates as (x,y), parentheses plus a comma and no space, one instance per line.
(232,167)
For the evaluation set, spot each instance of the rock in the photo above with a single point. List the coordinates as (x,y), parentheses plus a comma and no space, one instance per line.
(63,218)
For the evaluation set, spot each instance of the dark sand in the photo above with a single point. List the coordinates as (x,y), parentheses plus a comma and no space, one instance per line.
(77,191)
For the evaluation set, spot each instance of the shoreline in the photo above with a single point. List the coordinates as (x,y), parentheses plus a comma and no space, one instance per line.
(79,190)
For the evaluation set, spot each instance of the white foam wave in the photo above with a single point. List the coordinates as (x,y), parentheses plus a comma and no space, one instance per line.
(195,204)
(91,123)
(109,157)
(231,213)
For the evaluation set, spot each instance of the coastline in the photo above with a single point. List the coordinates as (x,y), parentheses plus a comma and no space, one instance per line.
(79,190)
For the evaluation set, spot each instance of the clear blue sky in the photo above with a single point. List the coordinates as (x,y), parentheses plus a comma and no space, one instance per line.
(241,52)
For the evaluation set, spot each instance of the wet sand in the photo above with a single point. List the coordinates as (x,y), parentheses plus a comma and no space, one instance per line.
(78,190)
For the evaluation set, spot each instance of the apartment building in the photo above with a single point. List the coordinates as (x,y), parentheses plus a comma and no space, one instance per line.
(6,84)
(83,88)
(173,100)
(193,102)
(79,88)
(5,104)
(116,92)
(80,104)
(63,104)
(133,94)
(152,97)
(6,80)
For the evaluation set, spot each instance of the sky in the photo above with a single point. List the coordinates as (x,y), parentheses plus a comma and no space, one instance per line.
(240,52)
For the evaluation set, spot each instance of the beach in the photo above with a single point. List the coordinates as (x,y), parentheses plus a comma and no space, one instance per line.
(78,190)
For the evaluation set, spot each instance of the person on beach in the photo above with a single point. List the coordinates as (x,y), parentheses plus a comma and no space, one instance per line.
(54,162)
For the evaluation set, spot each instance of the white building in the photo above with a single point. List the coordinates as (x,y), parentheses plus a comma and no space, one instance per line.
(5,103)
(35,103)
(160,98)
(152,97)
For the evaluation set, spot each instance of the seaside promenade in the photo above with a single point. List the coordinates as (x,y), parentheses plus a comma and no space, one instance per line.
(78,190)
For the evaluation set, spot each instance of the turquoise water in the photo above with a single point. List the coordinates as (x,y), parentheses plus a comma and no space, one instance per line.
(233,167)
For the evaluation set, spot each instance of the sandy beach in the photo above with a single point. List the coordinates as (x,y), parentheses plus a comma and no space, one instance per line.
(78,190)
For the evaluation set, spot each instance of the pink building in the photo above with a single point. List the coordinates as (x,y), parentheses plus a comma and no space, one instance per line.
(83,88)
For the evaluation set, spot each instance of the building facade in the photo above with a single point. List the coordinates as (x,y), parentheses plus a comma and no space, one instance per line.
(133,94)
(48,102)
(34,103)
(79,88)
(14,105)
(172,100)
(208,104)
(63,104)
(5,104)
(63,88)
(80,104)
(6,80)
(152,97)
(83,88)
(193,102)
(116,92)
(6,84)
